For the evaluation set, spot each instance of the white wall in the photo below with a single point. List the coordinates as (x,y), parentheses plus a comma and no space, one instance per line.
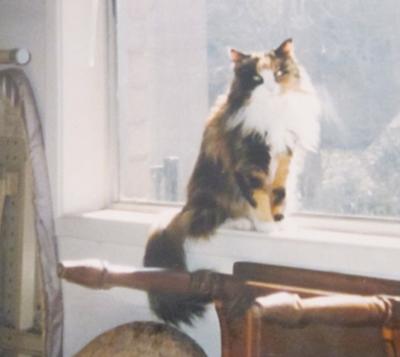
(77,126)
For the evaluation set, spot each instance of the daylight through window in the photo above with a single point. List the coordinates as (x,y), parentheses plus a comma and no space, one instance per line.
(172,64)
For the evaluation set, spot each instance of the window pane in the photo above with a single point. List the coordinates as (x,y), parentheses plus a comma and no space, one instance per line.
(173,63)
(162,94)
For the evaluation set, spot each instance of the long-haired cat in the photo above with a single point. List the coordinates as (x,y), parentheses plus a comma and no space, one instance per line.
(269,114)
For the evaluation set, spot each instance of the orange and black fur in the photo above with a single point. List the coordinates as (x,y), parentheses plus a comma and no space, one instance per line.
(244,162)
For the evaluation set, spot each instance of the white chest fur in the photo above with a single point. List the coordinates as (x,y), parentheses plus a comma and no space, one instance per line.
(288,119)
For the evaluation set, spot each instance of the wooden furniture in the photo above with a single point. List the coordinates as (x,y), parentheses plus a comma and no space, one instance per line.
(20,290)
(330,315)
(275,311)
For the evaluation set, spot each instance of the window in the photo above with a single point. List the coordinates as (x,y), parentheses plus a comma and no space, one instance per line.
(172,64)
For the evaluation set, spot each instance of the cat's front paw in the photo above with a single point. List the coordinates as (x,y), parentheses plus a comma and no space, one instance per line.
(265,227)
(241,224)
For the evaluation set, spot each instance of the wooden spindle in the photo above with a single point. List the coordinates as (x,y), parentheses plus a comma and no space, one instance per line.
(18,56)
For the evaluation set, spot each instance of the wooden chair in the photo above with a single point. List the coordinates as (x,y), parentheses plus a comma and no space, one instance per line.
(289,312)
(325,314)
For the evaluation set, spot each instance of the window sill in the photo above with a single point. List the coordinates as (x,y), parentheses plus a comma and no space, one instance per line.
(309,243)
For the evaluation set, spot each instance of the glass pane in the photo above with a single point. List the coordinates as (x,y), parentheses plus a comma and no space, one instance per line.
(173,63)
(162,95)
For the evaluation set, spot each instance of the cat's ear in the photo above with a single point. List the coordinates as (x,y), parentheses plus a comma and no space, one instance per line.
(237,56)
(286,48)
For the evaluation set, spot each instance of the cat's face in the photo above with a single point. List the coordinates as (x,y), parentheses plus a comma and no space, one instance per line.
(276,69)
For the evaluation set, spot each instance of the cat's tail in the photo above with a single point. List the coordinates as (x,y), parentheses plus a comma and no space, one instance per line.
(165,249)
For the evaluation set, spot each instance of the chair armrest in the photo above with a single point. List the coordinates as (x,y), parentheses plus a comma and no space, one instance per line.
(96,274)
(342,310)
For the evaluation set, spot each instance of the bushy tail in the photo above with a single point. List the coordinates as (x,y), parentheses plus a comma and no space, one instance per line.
(165,250)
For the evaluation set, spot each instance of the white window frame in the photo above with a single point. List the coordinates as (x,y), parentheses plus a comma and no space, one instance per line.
(78,132)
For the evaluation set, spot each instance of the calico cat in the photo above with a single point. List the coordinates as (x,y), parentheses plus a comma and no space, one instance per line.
(251,137)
